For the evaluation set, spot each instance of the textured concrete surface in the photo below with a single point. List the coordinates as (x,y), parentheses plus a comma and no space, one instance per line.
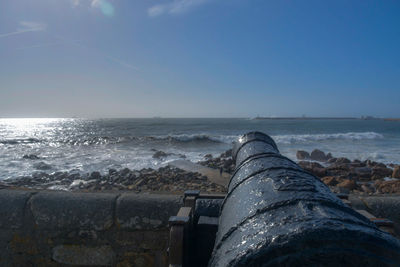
(149,211)
(12,208)
(51,228)
(56,210)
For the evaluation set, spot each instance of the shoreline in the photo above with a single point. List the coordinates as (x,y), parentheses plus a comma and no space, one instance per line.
(341,175)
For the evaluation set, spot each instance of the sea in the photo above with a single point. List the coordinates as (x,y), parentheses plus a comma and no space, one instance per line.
(87,145)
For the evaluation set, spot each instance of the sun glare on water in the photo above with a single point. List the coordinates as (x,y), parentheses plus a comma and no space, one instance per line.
(26,125)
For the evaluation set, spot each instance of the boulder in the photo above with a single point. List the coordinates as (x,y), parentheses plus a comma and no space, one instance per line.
(125,172)
(348,184)
(208,156)
(342,160)
(313,167)
(30,156)
(363,172)
(396,172)
(379,172)
(318,155)
(226,154)
(319,172)
(42,166)
(95,175)
(332,160)
(388,187)
(308,165)
(300,154)
(367,189)
(338,169)
(329,180)
(159,154)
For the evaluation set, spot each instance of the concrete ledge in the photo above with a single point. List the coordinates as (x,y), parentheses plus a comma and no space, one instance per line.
(137,212)
(53,228)
(81,255)
(12,208)
(63,210)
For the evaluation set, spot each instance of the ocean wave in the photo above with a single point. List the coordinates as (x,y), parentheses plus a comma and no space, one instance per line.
(303,138)
(201,138)
(193,138)
(20,141)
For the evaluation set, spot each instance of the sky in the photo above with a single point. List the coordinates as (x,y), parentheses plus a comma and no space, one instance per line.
(199,58)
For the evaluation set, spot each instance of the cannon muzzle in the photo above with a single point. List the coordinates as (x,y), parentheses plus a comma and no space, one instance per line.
(277,214)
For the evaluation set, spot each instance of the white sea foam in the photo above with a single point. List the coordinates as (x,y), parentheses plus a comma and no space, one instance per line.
(283,139)
(202,137)
(303,138)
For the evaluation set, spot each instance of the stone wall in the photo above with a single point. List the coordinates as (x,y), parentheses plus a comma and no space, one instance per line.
(50,228)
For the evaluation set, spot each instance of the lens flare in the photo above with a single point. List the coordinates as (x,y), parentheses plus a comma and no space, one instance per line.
(106,7)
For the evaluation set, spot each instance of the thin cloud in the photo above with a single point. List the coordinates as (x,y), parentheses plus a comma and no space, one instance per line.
(103,5)
(175,7)
(26,26)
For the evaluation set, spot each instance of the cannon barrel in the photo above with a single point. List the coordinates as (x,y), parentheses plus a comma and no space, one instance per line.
(275,213)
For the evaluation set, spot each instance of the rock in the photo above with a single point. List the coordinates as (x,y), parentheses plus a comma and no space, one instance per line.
(329,180)
(112,171)
(318,155)
(396,172)
(348,184)
(372,164)
(125,172)
(30,156)
(363,172)
(367,189)
(95,175)
(226,154)
(300,154)
(388,187)
(332,160)
(208,156)
(329,156)
(319,172)
(342,160)
(379,172)
(42,166)
(159,154)
(313,167)
(308,165)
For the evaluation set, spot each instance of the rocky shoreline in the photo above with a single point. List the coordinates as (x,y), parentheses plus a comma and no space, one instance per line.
(340,174)
(358,177)
(164,180)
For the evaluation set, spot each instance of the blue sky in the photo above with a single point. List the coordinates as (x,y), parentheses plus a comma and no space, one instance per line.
(199,58)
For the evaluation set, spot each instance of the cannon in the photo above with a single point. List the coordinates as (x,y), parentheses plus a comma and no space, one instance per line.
(277,214)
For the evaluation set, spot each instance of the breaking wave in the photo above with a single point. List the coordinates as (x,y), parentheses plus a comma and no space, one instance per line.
(303,138)
(198,138)
(19,141)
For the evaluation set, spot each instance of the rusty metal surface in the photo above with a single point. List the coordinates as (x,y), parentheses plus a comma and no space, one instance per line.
(277,214)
